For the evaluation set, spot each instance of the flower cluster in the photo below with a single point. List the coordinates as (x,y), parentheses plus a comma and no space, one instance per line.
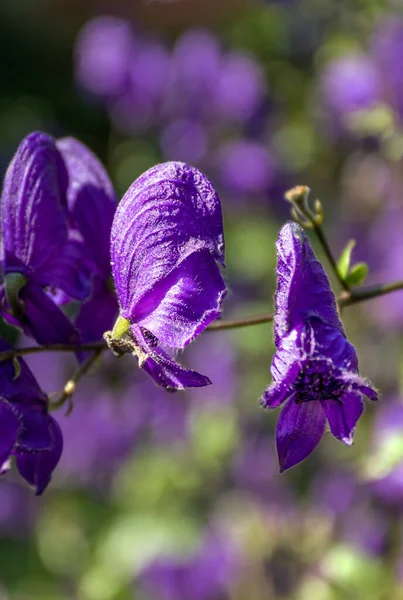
(198,96)
(59,217)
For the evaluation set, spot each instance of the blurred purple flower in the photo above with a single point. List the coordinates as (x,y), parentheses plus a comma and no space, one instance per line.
(184,140)
(37,253)
(16,510)
(167,237)
(240,89)
(205,575)
(195,69)
(28,432)
(104,49)
(349,83)
(315,368)
(387,51)
(246,167)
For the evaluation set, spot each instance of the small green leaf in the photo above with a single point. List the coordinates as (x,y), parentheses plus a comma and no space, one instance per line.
(343,265)
(357,275)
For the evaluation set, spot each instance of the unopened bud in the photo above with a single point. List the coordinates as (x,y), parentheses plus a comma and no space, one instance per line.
(298,196)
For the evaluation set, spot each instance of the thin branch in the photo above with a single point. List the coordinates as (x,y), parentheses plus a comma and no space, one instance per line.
(237,323)
(346,298)
(362,294)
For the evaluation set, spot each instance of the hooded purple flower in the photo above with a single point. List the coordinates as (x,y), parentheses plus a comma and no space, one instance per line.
(28,432)
(37,254)
(315,368)
(92,203)
(167,236)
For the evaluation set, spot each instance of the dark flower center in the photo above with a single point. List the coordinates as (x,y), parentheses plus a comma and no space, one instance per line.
(318,381)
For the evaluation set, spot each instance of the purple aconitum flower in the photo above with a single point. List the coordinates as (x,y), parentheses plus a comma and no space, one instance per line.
(37,253)
(28,432)
(167,237)
(92,203)
(314,368)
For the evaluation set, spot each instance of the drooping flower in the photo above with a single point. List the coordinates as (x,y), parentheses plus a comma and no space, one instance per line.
(92,203)
(37,254)
(167,237)
(28,432)
(314,368)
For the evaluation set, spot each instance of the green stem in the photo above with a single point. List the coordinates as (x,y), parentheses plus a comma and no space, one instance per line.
(320,234)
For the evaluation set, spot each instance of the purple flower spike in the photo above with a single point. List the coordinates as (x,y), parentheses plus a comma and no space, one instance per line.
(92,204)
(36,250)
(315,368)
(27,431)
(167,236)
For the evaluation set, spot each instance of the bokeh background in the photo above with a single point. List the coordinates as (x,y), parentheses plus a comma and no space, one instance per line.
(178,497)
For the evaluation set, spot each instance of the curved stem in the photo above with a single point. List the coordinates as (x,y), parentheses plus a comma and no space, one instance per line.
(320,234)
(70,386)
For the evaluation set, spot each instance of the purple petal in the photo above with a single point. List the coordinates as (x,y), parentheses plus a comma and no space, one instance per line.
(35,435)
(303,290)
(43,320)
(96,316)
(9,426)
(166,372)
(184,303)
(33,205)
(23,388)
(171,211)
(282,387)
(68,272)
(343,416)
(300,428)
(37,468)
(361,385)
(332,343)
(91,200)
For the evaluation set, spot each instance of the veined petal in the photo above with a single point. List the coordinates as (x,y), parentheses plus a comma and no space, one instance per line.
(300,428)
(167,214)
(166,372)
(91,200)
(333,344)
(303,289)
(183,304)
(343,415)
(33,205)
(37,467)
